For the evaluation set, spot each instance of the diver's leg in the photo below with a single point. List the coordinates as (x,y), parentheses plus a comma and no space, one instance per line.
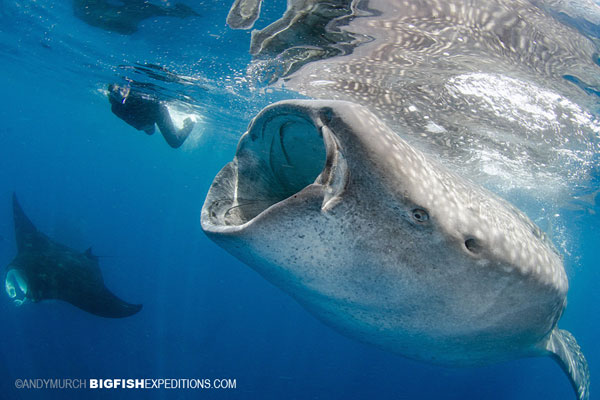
(173,137)
(188,125)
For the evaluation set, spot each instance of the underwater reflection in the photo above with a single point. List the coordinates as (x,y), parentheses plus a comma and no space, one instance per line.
(124,16)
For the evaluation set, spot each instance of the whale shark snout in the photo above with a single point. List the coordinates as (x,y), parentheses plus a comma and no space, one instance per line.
(387,246)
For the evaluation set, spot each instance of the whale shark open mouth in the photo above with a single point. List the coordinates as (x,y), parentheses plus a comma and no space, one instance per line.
(285,150)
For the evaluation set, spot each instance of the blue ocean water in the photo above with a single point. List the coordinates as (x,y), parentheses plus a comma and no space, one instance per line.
(86,178)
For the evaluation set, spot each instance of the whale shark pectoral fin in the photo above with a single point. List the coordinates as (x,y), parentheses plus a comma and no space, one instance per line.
(104,304)
(564,349)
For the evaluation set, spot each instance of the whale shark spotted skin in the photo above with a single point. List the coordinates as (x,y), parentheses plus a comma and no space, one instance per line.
(243,14)
(498,90)
(385,245)
(44,269)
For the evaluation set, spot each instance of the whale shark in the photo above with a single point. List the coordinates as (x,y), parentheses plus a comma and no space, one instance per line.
(385,245)
(44,269)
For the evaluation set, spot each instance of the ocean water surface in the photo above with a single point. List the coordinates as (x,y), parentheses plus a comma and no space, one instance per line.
(86,178)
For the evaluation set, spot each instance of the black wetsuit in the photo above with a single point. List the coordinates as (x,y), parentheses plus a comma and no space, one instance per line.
(142,111)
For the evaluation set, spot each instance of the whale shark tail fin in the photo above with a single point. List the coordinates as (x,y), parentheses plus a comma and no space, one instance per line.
(564,349)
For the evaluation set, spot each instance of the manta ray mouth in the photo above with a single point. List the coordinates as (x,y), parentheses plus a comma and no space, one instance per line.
(285,150)
(16,286)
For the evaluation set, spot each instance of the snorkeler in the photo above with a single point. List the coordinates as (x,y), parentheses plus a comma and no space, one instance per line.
(142,111)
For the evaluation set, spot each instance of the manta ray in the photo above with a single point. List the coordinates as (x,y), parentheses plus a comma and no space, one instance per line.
(44,269)
(387,246)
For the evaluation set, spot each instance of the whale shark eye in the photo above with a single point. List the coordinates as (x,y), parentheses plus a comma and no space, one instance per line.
(473,245)
(420,215)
